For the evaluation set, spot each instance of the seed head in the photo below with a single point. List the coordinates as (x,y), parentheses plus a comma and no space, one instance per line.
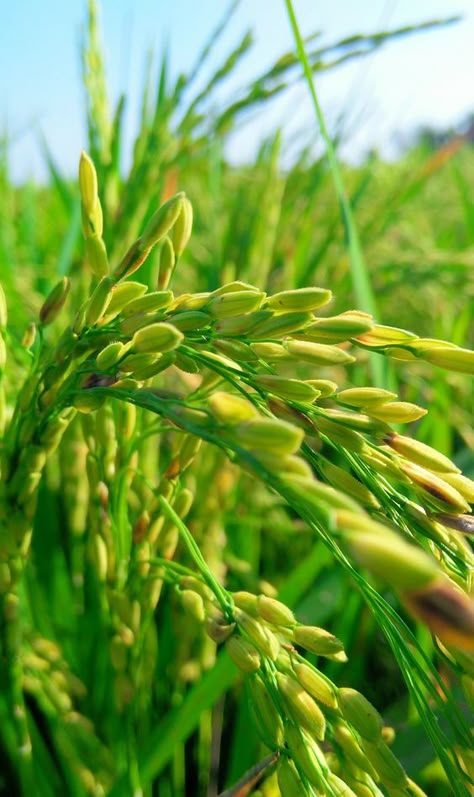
(96,254)
(364,396)
(463,523)
(462,484)
(384,762)
(307,755)
(118,654)
(88,184)
(440,492)
(99,301)
(389,557)
(243,653)
(188,451)
(291,465)
(289,782)
(339,787)
(91,209)
(361,714)
(318,640)
(3,309)
(348,324)
(346,739)
(267,717)
(270,352)
(160,337)
(318,353)
(320,494)
(193,604)
(396,412)
(217,628)
(420,453)
(29,336)
(269,435)
(380,336)
(235,349)
(54,302)
(110,356)
(123,293)
(262,637)
(192,583)
(347,483)
(88,401)
(190,301)
(100,557)
(234,287)
(148,303)
(316,684)
(162,221)
(299,299)
(446,610)
(183,225)
(293,389)
(235,303)
(230,409)
(276,326)
(340,434)
(167,263)
(274,611)
(190,320)
(454,359)
(302,706)
(247,602)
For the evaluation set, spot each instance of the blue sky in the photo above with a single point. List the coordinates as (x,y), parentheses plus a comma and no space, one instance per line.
(424,79)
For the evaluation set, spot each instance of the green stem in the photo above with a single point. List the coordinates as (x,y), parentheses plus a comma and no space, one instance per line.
(360,278)
(197,557)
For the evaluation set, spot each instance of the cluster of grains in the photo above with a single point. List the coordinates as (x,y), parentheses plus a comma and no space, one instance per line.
(398,508)
(48,679)
(330,740)
(403,345)
(45,410)
(425,585)
(152,538)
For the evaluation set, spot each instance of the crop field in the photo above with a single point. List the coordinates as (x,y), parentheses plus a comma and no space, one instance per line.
(237,467)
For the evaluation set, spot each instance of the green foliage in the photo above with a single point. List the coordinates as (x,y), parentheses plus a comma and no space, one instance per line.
(214,543)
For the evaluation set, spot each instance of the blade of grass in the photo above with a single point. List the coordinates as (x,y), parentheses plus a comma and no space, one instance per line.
(359,272)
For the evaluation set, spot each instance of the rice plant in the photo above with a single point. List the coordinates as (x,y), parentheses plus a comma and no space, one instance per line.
(224,567)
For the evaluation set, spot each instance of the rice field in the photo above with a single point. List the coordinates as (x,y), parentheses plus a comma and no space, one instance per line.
(237,467)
